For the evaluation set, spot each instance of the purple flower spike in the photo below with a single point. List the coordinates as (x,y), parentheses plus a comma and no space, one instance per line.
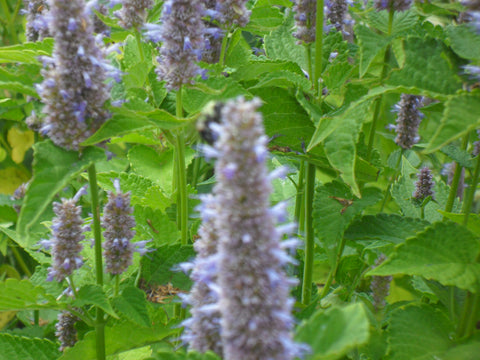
(74,89)
(380,286)
(254,301)
(202,331)
(408,120)
(305,16)
(118,223)
(424,184)
(133,13)
(37,25)
(182,32)
(67,233)
(65,330)
(397,5)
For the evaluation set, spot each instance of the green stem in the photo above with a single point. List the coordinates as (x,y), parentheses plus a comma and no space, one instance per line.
(196,171)
(456,179)
(309,235)
(182,208)
(467,204)
(318,48)
(333,270)
(308,50)
(83,316)
(139,44)
(117,284)
(20,260)
(72,286)
(422,212)
(36,317)
(99,321)
(299,197)
(223,49)
(378,102)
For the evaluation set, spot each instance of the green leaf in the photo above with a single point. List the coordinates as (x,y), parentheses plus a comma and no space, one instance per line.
(161,267)
(371,45)
(435,254)
(238,51)
(194,100)
(264,19)
(281,45)
(473,220)
(18,87)
(284,79)
(26,53)
(23,295)
(23,348)
(94,295)
(119,338)
(143,191)
(461,115)
(132,305)
(467,351)
(284,118)
(53,168)
(407,329)
(458,155)
(424,60)
(340,144)
(254,69)
(154,224)
(464,41)
(386,227)
(334,208)
(331,334)
(402,20)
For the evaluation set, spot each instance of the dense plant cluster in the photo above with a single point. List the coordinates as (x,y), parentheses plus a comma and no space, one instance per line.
(239,180)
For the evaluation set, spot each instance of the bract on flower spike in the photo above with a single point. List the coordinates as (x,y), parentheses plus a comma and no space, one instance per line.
(254,288)
(74,89)
(336,12)
(181,34)
(396,5)
(65,329)
(424,184)
(67,234)
(202,330)
(37,25)
(305,18)
(133,13)
(118,223)
(408,120)
(380,286)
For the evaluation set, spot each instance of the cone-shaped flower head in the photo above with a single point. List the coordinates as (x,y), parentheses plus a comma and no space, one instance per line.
(182,39)
(424,184)
(408,120)
(336,13)
(380,286)
(397,5)
(37,25)
(233,13)
(67,234)
(133,13)
(118,223)
(305,16)
(74,89)
(19,194)
(202,330)
(65,329)
(254,301)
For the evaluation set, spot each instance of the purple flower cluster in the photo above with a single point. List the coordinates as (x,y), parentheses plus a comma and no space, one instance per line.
(133,13)
(305,18)
(408,120)
(181,34)
(472,15)
(396,5)
(232,13)
(213,35)
(65,329)
(19,194)
(202,330)
(74,89)
(252,287)
(380,286)
(118,223)
(424,184)
(336,13)
(37,25)
(67,234)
